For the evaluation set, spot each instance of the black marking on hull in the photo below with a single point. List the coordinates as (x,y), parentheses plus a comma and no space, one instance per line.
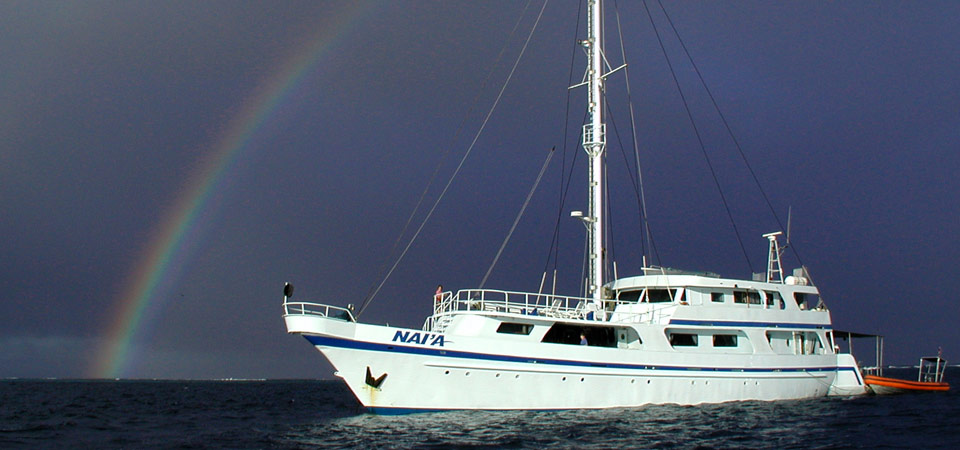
(374,382)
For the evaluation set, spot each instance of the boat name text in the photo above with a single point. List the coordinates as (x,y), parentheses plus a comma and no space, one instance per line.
(418,338)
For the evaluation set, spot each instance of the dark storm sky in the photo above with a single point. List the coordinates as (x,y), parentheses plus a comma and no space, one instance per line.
(849,112)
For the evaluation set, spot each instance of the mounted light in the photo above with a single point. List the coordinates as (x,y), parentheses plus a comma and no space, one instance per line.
(587,220)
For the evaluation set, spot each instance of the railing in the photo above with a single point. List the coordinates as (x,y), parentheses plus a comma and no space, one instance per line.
(592,136)
(520,303)
(318,309)
(525,303)
(534,304)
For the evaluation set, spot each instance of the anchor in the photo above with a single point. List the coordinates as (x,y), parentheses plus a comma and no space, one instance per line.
(374,382)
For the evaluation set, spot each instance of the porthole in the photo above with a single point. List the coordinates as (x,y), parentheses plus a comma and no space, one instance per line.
(446,372)
(581,379)
(563,379)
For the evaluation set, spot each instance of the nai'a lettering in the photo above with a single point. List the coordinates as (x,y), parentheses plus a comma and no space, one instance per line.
(407,337)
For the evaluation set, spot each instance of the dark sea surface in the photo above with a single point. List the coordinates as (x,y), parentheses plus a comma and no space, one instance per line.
(310,414)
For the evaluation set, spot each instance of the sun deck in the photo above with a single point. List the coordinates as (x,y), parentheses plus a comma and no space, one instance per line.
(654,299)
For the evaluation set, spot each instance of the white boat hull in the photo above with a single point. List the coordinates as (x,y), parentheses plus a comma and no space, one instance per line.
(432,371)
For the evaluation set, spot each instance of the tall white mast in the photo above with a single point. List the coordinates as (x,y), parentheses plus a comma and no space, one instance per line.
(594,138)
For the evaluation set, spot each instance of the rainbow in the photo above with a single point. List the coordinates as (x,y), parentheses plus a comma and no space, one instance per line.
(166,250)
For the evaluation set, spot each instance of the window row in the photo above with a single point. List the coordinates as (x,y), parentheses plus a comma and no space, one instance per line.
(771,299)
(782,342)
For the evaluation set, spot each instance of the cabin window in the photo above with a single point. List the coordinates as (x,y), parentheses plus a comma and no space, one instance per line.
(751,297)
(629,296)
(724,340)
(683,339)
(628,338)
(716,297)
(565,333)
(801,299)
(809,301)
(515,328)
(815,302)
(808,343)
(795,342)
(781,342)
(660,295)
(774,298)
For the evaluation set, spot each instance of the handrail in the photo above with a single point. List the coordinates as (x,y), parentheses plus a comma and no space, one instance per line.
(518,302)
(318,309)
(536,304)
(491,300)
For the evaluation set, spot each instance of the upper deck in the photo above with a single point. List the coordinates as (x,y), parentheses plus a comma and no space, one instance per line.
(649,299)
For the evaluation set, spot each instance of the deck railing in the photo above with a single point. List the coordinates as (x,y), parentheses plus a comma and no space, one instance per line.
(538,304)
(525,303)
(318,309)
(519,303)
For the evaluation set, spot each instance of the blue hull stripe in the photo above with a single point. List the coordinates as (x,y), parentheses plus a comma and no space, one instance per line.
(327,341)
(723,323)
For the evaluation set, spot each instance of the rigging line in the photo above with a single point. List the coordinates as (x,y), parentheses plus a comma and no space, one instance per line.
(644,219)
(616,132)
(553,251)
(626,161)
(583,268)
(463,159)
(608,236)
(555,243)
(606,186)
(623,152)
(443,157)
(696,131)
(517,220)
(726,125)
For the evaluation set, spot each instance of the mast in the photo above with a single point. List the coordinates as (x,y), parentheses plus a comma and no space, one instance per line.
(594,138)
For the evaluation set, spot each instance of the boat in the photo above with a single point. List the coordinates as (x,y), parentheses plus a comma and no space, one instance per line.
(662,336)
(929,379)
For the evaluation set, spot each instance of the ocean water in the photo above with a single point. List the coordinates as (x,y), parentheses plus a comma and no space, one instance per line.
(311,414)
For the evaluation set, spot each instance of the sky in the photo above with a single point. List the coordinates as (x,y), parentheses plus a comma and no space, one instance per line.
(166,166)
